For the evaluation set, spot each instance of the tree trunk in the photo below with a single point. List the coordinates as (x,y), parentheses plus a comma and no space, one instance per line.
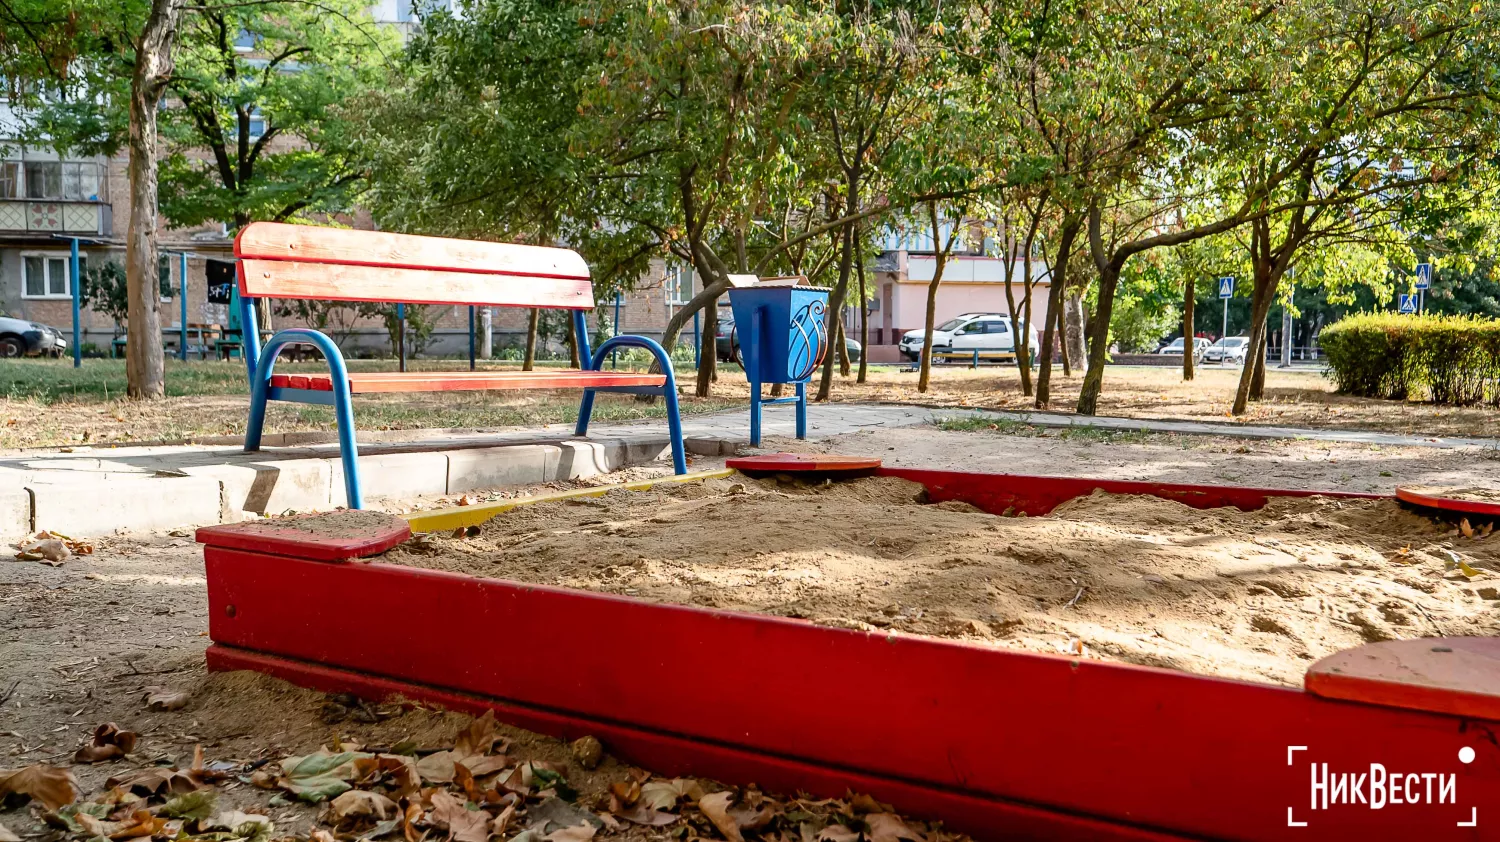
(574,357)
(842,347)
(1189,296)
(1093,378)
(1266,280)
(864,312)
(1258,379)
(708,357)
(1062,346)
(1066,236)
(924,376)
(145,375)
(841,286)
(532,319)
(1074,335)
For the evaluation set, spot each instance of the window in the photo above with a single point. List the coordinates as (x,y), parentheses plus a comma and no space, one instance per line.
(244,42)
(45,275)
(43,180)
(67,180)
(10,180)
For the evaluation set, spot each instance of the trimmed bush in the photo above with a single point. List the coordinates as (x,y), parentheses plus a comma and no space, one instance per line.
(1451,360)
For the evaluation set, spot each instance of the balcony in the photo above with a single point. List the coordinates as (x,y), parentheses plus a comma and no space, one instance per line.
(54,216)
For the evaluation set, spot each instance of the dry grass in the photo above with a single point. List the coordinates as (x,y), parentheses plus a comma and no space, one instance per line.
(49,403)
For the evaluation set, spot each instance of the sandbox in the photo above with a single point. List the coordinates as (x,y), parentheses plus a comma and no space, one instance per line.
(1022,657)
(1255,595)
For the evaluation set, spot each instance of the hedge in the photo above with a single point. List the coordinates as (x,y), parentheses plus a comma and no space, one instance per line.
(1444,359)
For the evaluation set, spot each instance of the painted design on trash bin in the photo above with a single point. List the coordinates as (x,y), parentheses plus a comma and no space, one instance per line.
(809,340)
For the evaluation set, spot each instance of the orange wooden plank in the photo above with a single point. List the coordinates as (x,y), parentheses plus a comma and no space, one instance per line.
(802,462)
(1454,675)
(338,282)
(316,244)
(455,381)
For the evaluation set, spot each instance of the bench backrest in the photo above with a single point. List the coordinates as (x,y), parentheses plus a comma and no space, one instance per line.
(338,264)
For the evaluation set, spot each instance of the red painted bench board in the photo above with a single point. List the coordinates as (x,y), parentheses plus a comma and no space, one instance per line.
(281,241)
(361,382)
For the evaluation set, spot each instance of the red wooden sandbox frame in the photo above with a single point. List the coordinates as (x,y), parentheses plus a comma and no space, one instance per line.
(998,743)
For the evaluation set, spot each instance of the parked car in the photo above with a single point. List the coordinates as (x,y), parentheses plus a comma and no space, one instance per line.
(20,338)
(727,342)
(1174,348)
(1230,349)
(969,332)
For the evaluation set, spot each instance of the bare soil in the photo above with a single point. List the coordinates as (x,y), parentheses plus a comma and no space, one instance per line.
(1250,595)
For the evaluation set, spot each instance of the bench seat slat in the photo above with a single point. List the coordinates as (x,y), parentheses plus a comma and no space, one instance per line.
(452,381)
(280,241)
(337,282)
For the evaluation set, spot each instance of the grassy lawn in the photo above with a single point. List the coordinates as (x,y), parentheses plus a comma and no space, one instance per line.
(48,402)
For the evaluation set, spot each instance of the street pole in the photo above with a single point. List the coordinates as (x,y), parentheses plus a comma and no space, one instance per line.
(1286,329)
(77,305)
(182,338)
(1225,331)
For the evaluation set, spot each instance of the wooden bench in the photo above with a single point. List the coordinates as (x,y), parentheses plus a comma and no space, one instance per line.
(332,264)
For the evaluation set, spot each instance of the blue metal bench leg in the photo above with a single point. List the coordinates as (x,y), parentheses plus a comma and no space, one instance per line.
(343,403)
(585,410)
(668,391)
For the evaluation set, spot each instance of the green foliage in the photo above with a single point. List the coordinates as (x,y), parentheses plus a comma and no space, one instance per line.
(1451,360)
(103,289)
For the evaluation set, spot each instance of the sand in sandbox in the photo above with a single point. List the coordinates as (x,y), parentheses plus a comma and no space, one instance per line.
(1256,595)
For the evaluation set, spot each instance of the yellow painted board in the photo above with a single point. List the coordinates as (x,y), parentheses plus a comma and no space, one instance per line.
(458,517)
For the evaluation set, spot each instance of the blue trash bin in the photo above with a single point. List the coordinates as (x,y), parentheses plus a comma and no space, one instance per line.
(783,336)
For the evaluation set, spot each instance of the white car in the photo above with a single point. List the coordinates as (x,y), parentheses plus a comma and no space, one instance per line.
(1174,348)
(969,332)
(1230,349)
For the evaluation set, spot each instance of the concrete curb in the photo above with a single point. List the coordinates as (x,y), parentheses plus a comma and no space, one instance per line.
(91,498)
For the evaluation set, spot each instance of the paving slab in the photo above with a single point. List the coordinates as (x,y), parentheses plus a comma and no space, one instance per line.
(270,486)
(391,475)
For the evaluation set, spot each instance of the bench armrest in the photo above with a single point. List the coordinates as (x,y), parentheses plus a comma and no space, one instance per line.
(629,340)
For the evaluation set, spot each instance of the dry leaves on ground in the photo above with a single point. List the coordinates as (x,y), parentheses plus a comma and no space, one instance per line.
(165,698)
(49,786)
(109,743)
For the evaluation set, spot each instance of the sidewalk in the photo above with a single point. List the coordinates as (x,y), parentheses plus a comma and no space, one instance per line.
(96,491)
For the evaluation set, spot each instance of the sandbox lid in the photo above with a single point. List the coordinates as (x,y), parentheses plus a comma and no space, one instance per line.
(320,536)
(1449,500)
(804,463)
(1453,675)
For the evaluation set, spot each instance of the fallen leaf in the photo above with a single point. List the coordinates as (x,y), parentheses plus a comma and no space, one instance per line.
(109,743)
(396,770)
(7,835)
(155,779)
(837,833)
(660,795)
(645,815)
(359,804)
(487,765)
(320,777)
(165,698)
(716,808)
(47,785)
(243,825)
(477,737)
(141,824)
(888,827)
(502,821)
(192,805)
(463,824)
(576,833)
(437,768)
(1465,528)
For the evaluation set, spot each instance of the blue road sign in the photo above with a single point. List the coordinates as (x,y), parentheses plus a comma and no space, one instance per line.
(1408,302)
(1424,276)
(1226,287)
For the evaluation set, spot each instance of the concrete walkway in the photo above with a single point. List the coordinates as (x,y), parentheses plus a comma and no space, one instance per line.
(87,491)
